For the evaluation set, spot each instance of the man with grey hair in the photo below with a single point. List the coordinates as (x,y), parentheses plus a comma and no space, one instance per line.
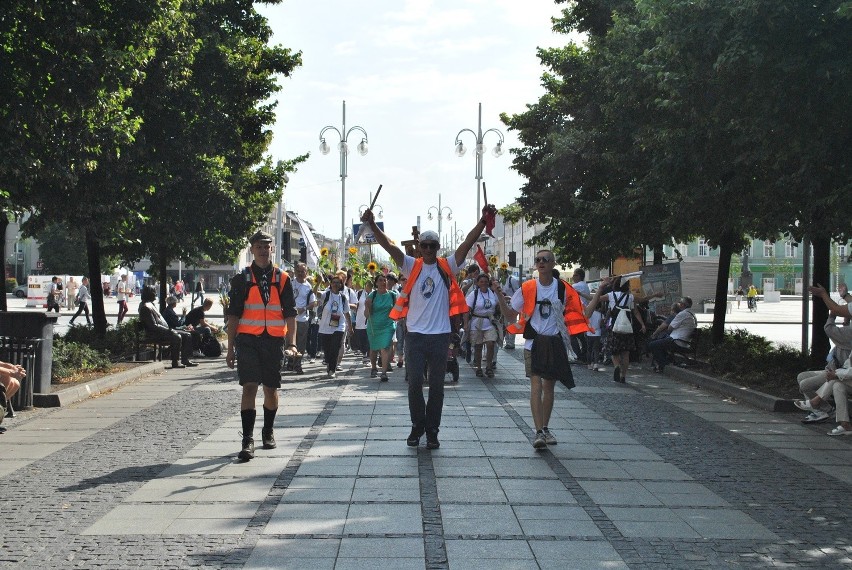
(677,334)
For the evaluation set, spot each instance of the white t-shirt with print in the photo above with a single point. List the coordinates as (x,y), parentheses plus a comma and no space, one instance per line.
(337,304)
(303,292)
(486,305)
(429,301)
(543,319)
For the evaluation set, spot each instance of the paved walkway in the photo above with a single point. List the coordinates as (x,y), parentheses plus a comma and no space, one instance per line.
(653,474)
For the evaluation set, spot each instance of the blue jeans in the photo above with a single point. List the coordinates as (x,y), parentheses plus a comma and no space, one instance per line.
(420,350)
(659,350)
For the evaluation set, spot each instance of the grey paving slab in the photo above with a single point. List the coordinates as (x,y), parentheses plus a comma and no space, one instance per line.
(463,467)
(384,518)
(306,519)
(479,520)
(387,489)
(470,490)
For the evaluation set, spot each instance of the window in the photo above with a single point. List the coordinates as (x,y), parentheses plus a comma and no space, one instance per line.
(790,249)
(841,251)
(768,249)
(703,248)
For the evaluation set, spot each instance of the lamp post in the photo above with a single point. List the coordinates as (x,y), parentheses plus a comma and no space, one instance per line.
(480,150)
(278,223)
(440,213)
(343,147)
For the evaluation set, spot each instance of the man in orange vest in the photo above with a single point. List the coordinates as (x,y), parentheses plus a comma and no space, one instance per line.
(429,299)
(546,332)
(261,319)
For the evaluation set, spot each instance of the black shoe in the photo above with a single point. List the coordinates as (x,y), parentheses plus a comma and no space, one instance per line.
(616,374)
(414,437)
(432,441)
(189,363)
(268,440)
(248,449)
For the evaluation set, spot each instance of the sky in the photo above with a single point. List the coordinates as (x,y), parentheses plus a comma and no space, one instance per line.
(412,74)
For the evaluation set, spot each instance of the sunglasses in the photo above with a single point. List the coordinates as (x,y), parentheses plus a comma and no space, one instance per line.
(542,260)
(428,245)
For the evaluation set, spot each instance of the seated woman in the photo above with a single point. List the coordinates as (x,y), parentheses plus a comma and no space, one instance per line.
(157,328)
(10,382)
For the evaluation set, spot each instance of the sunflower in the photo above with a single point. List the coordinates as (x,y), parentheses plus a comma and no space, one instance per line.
(353,250)
(493,260)
(324,252)
(504,266)
(371,267)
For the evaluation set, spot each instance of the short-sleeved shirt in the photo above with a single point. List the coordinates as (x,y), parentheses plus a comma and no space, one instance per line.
(194,317)
(486,305)
(429,301)
(512,284)
(122,290)
(360,316)
(543,319)
(682,325)
(304,293)
(625,300)
(583,288)
(335,304)
(239,289)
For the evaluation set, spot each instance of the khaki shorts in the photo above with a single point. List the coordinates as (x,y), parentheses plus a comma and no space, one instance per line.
(479,337)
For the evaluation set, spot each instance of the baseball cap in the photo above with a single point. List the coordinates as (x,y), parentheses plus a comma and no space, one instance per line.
(429,235)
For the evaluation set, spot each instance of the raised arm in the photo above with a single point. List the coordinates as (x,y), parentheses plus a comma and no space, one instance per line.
(596,298)
(503,301)
(839,310)
(464,247)
(396,254)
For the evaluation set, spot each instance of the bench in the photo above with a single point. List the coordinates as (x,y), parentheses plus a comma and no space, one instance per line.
(688,352)
(141,341)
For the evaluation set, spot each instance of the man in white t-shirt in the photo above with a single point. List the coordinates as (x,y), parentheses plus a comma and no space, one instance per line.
(306,300)
(431,296)
(677,333)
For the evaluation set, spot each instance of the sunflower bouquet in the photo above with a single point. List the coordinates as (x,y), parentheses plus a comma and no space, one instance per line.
(492,264)
(359,264)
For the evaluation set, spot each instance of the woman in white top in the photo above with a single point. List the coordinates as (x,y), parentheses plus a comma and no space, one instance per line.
(360,339)
(483,303)
(333,323)
(620,344)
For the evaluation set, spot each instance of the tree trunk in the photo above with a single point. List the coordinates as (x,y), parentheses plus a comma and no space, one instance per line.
(162,263)
(93,253)
(719,311)
(4,223)
(821,275)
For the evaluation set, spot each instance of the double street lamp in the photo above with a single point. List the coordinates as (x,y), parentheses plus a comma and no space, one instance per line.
(439,211)
(497,151)
(343,147)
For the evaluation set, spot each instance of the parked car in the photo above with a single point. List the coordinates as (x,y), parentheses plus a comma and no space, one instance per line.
(20,291)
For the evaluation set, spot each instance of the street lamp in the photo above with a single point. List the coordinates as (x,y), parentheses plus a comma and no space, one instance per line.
(377,209)
(440,213)
(459,237)
(343,147)
(497,151)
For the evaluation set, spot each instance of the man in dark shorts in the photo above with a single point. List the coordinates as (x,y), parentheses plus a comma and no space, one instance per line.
(261,320)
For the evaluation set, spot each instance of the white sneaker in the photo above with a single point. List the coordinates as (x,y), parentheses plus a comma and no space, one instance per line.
(815,417)
(330,374)
(549,438)
(804,405)
(840,430)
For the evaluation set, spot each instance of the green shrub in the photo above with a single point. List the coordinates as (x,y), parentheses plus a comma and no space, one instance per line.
(70,358)
(117,344)
(11,283)
(751,360)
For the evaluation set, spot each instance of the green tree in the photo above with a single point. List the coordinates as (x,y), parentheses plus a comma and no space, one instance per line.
(63,251)
(206,103)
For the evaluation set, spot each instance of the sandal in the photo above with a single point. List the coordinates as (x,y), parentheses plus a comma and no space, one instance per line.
(479,372)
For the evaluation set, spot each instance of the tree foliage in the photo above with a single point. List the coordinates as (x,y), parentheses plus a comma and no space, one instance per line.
(675,119)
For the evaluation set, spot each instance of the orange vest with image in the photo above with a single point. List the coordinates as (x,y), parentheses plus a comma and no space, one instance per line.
(258,317)
(458,304)
(573,313)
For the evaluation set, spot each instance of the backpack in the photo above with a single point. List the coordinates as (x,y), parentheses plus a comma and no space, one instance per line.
(211,347)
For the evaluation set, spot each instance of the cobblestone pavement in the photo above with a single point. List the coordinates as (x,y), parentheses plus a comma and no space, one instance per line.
(652,474)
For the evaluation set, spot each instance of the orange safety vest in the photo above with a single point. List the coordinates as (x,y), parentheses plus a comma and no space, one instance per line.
(573,313)
(458,305)
(257,317)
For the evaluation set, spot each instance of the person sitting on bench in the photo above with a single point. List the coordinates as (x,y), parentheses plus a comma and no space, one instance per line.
(10,382)
(157,328)
(677,332)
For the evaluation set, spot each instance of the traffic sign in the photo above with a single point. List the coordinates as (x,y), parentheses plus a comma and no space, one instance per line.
(368,235)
